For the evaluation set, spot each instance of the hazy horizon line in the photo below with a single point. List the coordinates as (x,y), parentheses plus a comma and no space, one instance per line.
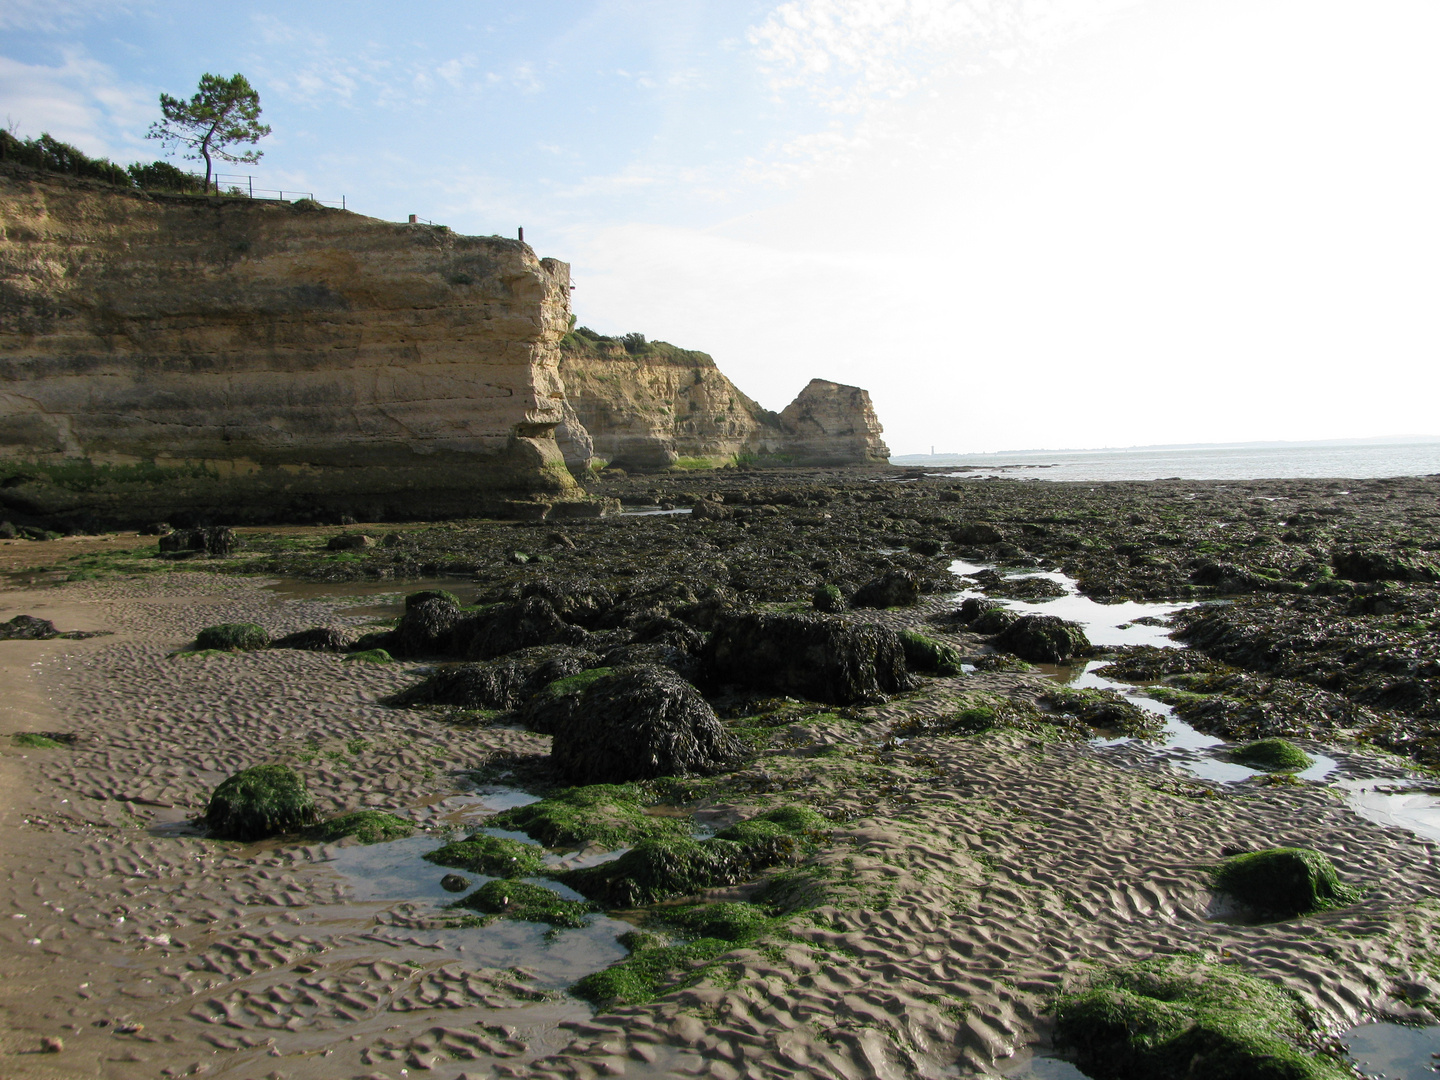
(1374,440)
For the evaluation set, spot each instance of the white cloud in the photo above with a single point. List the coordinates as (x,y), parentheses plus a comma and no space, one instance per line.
(60,16)
(80,101)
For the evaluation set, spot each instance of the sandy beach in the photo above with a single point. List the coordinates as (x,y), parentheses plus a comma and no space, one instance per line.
(966,879)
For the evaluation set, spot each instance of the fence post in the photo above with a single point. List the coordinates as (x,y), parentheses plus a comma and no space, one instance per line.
(252,186)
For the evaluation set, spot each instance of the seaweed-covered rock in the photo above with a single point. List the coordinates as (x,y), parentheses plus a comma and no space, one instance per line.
(926,654)
(316,639)
(233,637)
(367,826)
(820,657)
(976,532)
(426,627)
(349,542)
(1148,663)
(216,542)
(661,869)
(685,664)
(259,802)
(525,902)
(506,683)
(610,815)
(582,605)
(990,617)
(1280,883)
(1374,564)
(505,628)
(828,598)
(1044,639)
(556,702)
(639,723)
(1180,1018)
(28,628)
(894,588)
(494,856)
(1273,755)
(1106,710)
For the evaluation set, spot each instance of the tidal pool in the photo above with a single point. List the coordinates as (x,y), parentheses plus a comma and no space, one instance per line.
(1394,1051)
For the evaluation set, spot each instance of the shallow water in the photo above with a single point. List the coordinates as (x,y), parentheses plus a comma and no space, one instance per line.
(1397,803)
(1043,1068)
(1394,1051)
(1106,625)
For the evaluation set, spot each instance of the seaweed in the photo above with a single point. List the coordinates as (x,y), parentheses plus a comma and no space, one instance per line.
(610,815)
(259,802)
(1281,883)
(494,856)
(526,902)
(367,826)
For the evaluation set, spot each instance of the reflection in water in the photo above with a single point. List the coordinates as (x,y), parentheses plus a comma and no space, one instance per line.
(1106,625)
(1043,1068)
(1406,808)
(1395,1051)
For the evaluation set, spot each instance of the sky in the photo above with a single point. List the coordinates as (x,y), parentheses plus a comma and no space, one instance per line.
(1017,223)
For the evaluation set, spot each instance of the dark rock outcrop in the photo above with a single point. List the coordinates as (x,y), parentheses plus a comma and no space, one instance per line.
(639,723)
(819,657)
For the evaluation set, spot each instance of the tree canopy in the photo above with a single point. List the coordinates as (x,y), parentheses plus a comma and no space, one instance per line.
(223,112)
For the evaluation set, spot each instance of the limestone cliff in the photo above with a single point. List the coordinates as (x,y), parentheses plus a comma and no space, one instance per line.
(277,360)
(646,405)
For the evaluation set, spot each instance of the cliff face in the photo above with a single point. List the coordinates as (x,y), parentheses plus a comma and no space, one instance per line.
(647,406)
(830,423)
(279,359)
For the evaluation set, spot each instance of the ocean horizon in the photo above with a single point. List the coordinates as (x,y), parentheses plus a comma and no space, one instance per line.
(1355,459)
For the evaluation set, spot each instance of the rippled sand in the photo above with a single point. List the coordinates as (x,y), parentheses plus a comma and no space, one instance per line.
(971,878)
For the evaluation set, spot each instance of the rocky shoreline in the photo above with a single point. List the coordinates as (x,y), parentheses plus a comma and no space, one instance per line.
(977,850)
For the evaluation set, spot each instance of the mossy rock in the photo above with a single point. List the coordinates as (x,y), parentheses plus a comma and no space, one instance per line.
(1176,1018)
(610,815)
(652,968)
(258,802)
(657,870)
(371,656)
(1281,883)
(729,920)
(526,902)
(495,856)
(367,826)
(828,598)
(232,637)
(926,654)
(1273,755)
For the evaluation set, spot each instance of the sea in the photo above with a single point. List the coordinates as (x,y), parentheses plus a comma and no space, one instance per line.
(1355,459)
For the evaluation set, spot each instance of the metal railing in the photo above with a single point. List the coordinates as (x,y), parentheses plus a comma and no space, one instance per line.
(244,184)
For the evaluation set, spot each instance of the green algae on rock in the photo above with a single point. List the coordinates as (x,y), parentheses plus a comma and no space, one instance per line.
(232,637)
(258,802)
(657,870)
(1273,755)
(926,654)
(526,902)
(652,968)
(494,856)
(372,656)
(1281,883)
(367,826)
(610,815)
(1179,1017)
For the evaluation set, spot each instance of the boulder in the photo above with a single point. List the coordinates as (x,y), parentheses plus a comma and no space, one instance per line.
(27,628)
(639,723)
(828,599)
(217,542)
(1370,564)
(233,637)
(259,802)
(505,683)
(350,542)
(579,604)
(1281,883)
(820,657)
(1043,639)
(504,628)
(426,627)
(976,532)
(894,588)
(316,639)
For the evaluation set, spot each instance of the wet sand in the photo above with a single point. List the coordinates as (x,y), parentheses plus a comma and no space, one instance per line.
(966,879)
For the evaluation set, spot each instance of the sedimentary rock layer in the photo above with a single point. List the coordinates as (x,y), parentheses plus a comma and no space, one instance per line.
(646,405)
(278,359)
